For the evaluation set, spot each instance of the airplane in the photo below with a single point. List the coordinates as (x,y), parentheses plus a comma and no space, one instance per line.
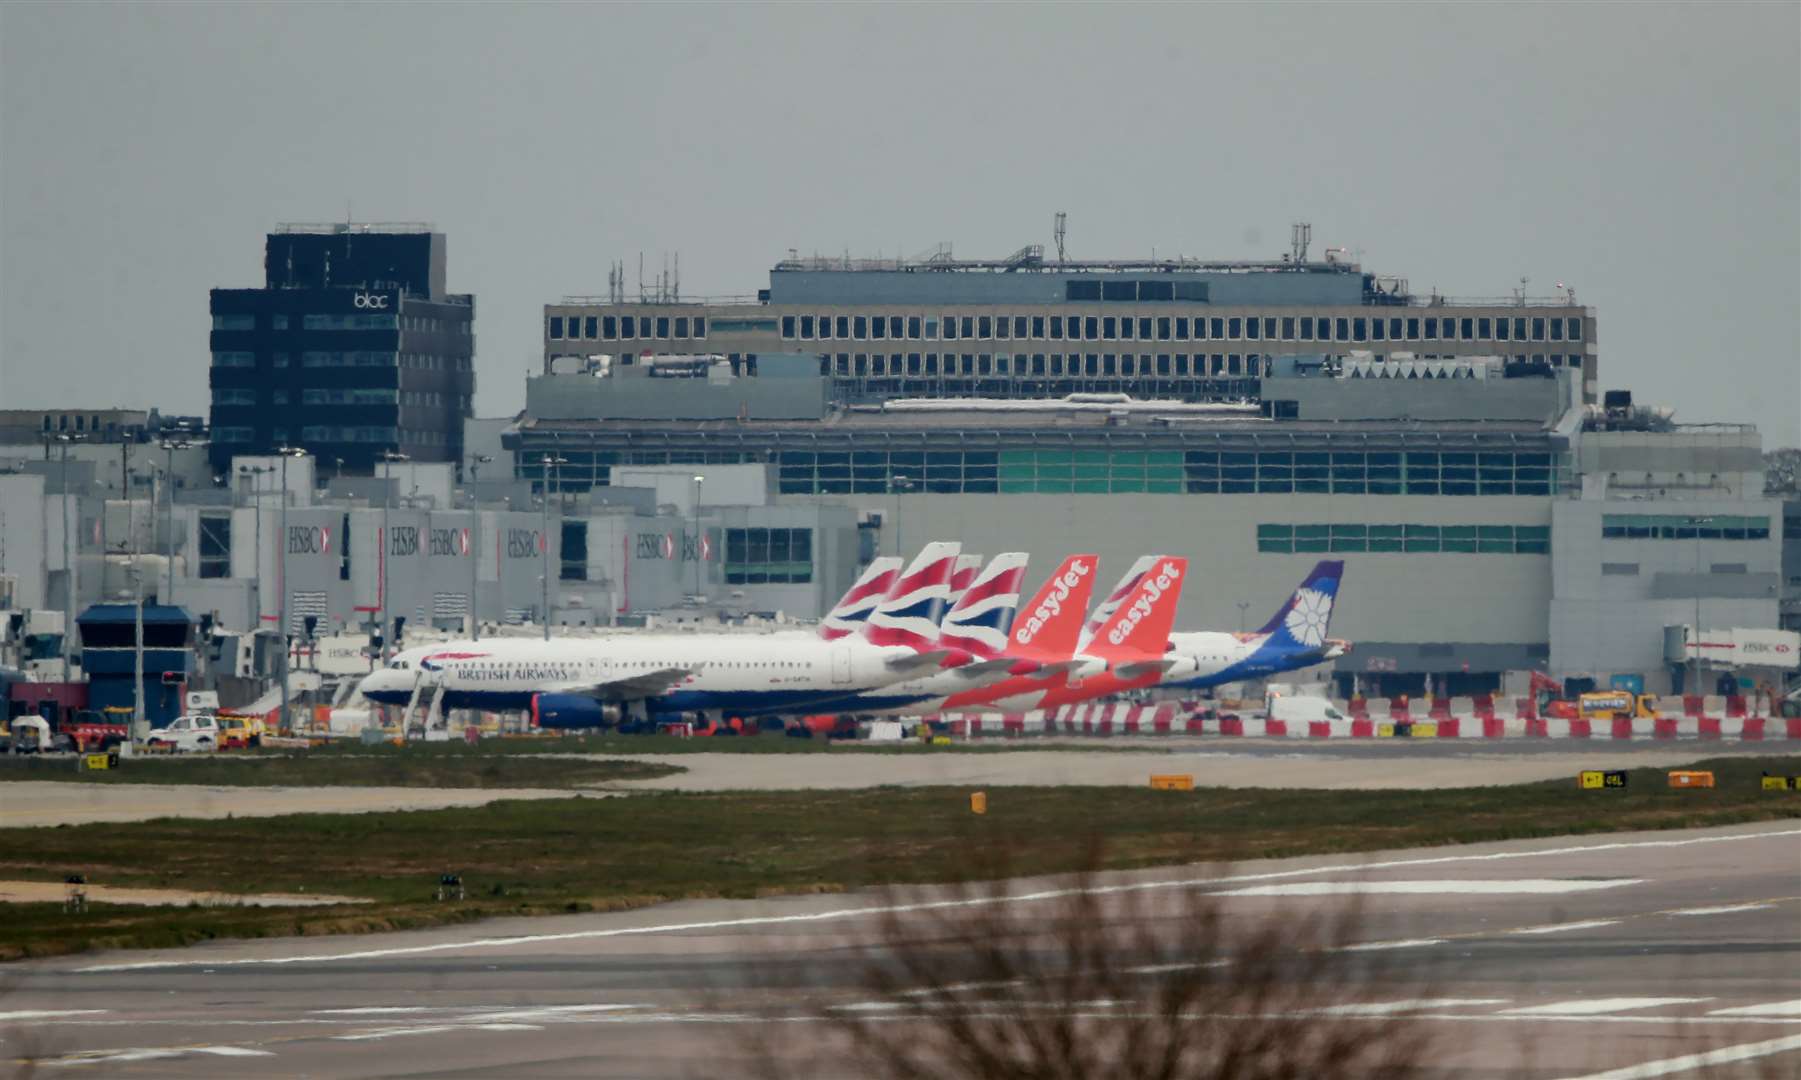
(975,631)
(1128,651)
(583,683)
(852,609)
(1044,632)
(1295,637)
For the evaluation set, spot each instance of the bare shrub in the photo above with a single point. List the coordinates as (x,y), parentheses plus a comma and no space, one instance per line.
(1088,981)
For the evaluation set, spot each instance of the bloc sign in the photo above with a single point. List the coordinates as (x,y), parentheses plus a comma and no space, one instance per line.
(1599,779)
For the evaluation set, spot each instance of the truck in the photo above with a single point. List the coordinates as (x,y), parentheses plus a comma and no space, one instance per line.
(1603,705)
(95,731)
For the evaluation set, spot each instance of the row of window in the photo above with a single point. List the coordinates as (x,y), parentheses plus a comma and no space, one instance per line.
(627,327)
(1684,527)
(768,556)
(1179,328)
(346,322)
(1408,539)
(325,433)
(1198,472)
(363,321)
(1074,365)
(354,358)
(1076,328)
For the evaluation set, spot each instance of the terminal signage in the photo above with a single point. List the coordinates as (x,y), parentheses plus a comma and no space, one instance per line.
(371,301)
(403,540)
(656,546)
(524,543)
(450,541)
(309,540)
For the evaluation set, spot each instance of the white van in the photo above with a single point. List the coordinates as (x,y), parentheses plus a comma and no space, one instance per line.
(1303,709)
(195,732)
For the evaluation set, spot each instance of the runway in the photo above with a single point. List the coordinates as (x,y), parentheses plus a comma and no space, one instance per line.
(1632,955)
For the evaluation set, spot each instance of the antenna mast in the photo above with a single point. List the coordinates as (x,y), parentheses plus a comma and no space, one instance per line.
(1058,231)
(1299,236)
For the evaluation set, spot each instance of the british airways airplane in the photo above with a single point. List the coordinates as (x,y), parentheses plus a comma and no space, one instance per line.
(591,682)
(1295,637)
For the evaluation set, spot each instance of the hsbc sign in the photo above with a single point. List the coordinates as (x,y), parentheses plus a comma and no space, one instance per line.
(309,540)
(371,301)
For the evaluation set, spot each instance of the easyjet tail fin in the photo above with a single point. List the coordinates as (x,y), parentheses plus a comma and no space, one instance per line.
(1140,628)
(1049,624)
(853,608)
(1104,611)
(908,615)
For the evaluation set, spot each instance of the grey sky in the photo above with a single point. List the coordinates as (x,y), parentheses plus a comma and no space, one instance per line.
(1648,155)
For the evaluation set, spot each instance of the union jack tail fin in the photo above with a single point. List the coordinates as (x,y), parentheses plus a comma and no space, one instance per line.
(977,623)
(1140,628)
(1047,627)
(853,609)
(963,575)
(1302,622)
(1098,618)
(908,615)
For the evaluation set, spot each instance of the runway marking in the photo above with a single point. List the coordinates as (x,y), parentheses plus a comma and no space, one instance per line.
(1726,909)
(1773,1008)
(1597,1006)
(935,905)
(1373,946)
(383,1010)
(1391,1008)
(1558,928)
(231,1051)
(430,1029)
(1541,886)
(152,1053)
(1727,1055)
(49,1014)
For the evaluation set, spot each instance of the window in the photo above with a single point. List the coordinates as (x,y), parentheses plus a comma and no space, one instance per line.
(806,327)
(1288,328)
(1575,329)
(1182,328)
(1306,328)
(234,359)
(1431,329)
(1019,326)
(609,328)
(1144,329)
(573,561)
(984,327)
(914,327)
(1467,327)
(759,556)
(967,327)
(1252,329)
(1119,291)
(1091,327)
(1358,331)
(556,325)
(1038,327)
(1234,328)
(234,322)
(1538,329)
(788,327)
(226,395)
(628,327)
(1056,327)
(700,326)
(1218,329)
(1075,291)
(681,326)
(1109,327)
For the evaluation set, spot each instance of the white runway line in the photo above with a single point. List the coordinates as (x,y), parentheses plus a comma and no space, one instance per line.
(938,905)
(1598,1006)
(48,1014)
(1393,1008)
(1727,909)
(1729,1055)
(1558,928)
(1773,1008)
(1411,943)
(1506,887)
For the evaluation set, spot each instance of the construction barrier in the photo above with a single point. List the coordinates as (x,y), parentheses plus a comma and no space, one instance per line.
(978,802)
(1172,782)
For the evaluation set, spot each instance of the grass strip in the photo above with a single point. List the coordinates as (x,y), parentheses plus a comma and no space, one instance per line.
(313,768)
(536,857)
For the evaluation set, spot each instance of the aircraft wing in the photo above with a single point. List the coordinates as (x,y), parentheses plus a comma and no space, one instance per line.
(1138,669)
(631,688)
(1052,670)
(917,661)
(985,668)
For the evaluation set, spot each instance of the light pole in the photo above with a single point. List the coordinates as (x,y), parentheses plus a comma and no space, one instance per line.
(71,576)
(698,481)
(388,457)
(901,483)
(281,578)
(476,461)
(139,729)
(1695,523)
(549,478)
(1243,606)
(169,447)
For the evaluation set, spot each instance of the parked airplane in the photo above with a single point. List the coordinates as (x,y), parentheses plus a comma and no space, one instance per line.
(1130,649)
(1046,631)
(975,632)
(590,682)
(1295,637)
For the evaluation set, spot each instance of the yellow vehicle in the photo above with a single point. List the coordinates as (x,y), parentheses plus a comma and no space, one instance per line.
(1605,705)
(241,732)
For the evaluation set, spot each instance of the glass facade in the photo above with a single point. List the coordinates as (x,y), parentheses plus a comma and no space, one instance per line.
(768,556)
(1683,527)
(1406,539)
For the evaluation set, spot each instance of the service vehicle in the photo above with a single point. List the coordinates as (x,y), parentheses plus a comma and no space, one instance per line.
(1302,709)
(195,733)
(94,731)
(1604,705)
(240,732)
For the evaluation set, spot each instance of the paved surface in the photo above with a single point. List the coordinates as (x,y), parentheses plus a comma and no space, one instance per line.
(1553,958)
(52,802)
(1277,763)
(41,892)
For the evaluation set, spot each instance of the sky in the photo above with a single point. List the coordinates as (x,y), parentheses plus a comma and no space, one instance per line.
(1646,155)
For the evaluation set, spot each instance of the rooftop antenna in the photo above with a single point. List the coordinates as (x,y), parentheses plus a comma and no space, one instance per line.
(1058,231)
(1519,294)
(1299,236)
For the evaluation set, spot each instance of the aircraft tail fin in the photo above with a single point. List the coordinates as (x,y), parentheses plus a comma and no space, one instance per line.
(1140,628)
(1049,625)
(908,614)
(1302,622)
(854,607)
(977,623)
(1105,609)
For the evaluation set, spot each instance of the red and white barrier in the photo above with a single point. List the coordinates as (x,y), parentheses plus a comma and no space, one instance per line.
(1453,718)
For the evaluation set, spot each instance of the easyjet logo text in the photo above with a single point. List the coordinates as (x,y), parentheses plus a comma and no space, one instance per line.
(1149,593)
(1052,604)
